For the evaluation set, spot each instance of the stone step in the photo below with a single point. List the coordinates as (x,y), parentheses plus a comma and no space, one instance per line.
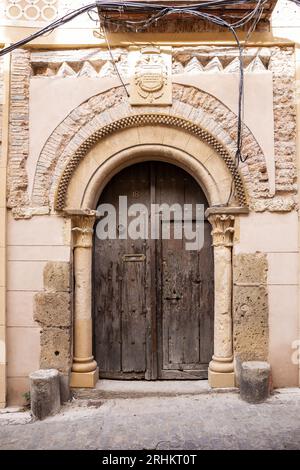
(106,389)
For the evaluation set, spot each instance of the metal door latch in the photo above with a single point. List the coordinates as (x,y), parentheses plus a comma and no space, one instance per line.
(131,257)
(174,297)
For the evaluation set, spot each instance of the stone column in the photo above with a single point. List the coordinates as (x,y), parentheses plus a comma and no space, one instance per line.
(221,372)
(84,369)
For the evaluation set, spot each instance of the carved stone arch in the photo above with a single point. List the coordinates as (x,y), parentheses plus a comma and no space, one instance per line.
(96,170)
(144,120)
(87,164)
(80,193)
(192,108)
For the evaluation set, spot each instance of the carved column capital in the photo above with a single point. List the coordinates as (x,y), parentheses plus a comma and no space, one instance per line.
(83,229)
(223,229)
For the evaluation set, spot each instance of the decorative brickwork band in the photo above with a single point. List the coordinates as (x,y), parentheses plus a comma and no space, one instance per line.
(144,120)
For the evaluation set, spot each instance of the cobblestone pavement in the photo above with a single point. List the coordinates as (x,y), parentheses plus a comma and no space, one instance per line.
(214,421)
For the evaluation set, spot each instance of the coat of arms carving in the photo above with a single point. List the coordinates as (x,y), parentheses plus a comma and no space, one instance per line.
(151,79)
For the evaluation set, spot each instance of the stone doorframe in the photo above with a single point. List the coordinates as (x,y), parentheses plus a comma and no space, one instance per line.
(79,190)
(85,372)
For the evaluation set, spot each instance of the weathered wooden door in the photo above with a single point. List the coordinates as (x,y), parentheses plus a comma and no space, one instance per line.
(153,299)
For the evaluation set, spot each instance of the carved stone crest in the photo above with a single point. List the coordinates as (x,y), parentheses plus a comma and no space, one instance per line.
(150,77)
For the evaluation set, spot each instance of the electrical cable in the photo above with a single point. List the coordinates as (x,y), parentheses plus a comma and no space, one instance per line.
(114,63)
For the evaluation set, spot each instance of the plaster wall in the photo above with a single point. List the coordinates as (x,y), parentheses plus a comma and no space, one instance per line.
(31,244)
(276,235)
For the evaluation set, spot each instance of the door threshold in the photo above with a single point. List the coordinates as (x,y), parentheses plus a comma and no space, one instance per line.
(106,389)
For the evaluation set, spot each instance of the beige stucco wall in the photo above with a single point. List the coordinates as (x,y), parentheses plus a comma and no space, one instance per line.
(31,243)
(277,236)
(3,161)
(34,241)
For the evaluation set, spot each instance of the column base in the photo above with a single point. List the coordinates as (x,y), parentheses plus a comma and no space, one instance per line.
(84,379)
(221,379)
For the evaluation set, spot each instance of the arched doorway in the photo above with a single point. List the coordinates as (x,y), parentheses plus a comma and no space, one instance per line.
(153,298)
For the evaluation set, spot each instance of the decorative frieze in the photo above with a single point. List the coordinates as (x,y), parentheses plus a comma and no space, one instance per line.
(90,63)
(113,104)
(219,59)
(98,62)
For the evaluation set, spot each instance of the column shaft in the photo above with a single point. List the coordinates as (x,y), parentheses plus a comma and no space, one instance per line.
(84,368)
(220,373)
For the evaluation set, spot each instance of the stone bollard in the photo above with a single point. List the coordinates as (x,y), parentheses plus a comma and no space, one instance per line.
(255,381)
(44,393)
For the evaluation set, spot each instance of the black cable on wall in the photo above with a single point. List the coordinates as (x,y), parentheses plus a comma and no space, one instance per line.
(208,11)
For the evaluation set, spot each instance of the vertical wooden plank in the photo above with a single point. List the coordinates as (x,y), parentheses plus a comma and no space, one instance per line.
(151,339)
(106,291)
(186,318)
(120,287)
(170,190)
(159,310)
(133,310)
(206,275)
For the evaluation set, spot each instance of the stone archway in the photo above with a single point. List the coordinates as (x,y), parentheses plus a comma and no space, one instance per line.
(81,190)
(192,110)
(103,136)
(143,120)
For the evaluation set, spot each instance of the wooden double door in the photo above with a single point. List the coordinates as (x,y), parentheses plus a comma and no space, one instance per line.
(153,298)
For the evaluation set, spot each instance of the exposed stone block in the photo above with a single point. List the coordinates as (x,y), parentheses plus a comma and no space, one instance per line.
(44,393)
(250,268)
(52,309)
(250,308)
(55,349)
(255,381)
(250,322)
(57,276)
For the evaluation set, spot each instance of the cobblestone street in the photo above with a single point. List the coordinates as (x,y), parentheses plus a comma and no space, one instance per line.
(206,421)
